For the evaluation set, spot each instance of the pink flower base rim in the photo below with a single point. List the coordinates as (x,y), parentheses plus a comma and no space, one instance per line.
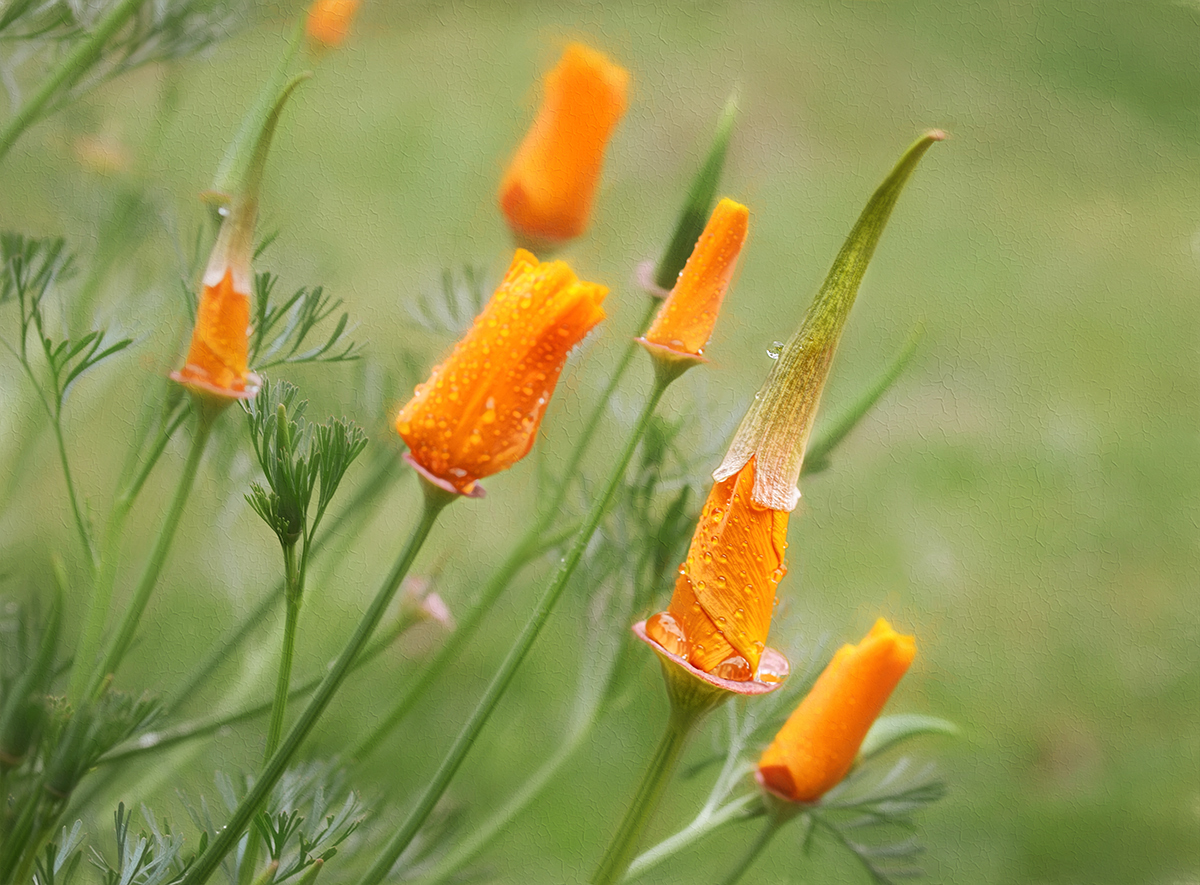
(445,485)
(774,660)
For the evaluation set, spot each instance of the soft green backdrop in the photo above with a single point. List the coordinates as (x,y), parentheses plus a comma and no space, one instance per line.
(1025,500)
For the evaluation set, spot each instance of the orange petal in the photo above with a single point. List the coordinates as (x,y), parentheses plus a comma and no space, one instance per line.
(217,357)
(547,192)
(480,409)
(818,744)
(725,592)
(685,321)
(329,21)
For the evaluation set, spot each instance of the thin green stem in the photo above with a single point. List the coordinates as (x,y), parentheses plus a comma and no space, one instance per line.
(294,592)
(500,682)
(123,638)
(747,806)
(770,828)
(623,847)
(68,72)
(531,544)
(206,864)
(85,534)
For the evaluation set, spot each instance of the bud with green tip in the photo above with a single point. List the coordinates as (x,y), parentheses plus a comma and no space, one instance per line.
(776,427)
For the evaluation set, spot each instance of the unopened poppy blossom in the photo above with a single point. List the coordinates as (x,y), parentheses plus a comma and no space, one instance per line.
(546,193)
(216,364)
(720,612)
(818,744)
(480,409)
(328,22)
(685,321)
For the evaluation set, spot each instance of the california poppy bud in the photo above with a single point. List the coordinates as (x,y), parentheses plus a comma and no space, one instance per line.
(328,22)
(685,321)
(480,409)
(546,194)
(216,364)
(818,744)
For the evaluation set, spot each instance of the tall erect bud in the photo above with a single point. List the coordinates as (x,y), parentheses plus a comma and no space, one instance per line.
(328,22)
(216,366)
(546,194)
(686,319)
(776,428)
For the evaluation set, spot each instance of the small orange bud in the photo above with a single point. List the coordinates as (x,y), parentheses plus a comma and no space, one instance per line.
(817,745)
(546,194)
(720,612)
(685,321)
(216,364)
(329,22)
(480,409)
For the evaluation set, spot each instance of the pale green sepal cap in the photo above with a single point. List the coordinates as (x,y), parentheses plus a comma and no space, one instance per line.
(776,427)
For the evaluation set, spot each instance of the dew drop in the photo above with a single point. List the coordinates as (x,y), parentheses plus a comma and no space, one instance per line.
(775,349)
(735,668)
(665,630)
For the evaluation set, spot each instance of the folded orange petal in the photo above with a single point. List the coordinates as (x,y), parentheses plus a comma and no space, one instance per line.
(720,612)
(818,744)
(480,409)
(547,192)
(216,363)
(685,321)
(328,21)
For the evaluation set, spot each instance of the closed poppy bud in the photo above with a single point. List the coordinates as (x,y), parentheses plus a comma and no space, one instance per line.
(720,612)
(685,321)
(216,364)
(329,21)
(480,409)
(546,194)
(818,744)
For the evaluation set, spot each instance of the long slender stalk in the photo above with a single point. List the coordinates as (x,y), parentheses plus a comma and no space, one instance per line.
(123,638)
(81,525)
(737,810)
(68,72)
(531,543)
(500,682)
(623,847)
(206,864)
(770,828)
(283,682)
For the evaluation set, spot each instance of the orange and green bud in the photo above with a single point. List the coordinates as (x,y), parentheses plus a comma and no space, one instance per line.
(819,742)
(546,194)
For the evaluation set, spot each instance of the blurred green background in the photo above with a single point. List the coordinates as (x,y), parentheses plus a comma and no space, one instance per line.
(1024,501)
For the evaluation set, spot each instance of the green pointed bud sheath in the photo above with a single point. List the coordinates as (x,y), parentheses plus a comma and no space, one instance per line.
(699,201)
(776,427)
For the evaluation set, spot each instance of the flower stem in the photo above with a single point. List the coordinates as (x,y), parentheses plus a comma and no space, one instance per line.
(770,828)
(68,72)
(623,847)
(123,638)
(206,863)
(741,809)
(283,683)
(530,545)
(500,682)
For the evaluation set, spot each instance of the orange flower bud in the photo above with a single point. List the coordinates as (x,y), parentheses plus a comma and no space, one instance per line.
(720,612)
(216,364)
(817,745)
(685,321)
(546,194)
(480,409)
(329,22)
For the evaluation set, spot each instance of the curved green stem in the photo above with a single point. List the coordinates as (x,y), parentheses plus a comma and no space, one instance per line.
(530,545)
(283,683)
(68,72)
(500,682)
(746,807)
(206,864)
(85,534)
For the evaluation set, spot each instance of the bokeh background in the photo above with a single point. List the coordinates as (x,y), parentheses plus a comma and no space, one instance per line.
(1024,500)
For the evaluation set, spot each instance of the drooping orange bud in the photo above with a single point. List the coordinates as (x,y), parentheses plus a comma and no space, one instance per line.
(546,194)
(818,744)
(216,365)
(685,322)
(480,409)
(720,612)
(329,21)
